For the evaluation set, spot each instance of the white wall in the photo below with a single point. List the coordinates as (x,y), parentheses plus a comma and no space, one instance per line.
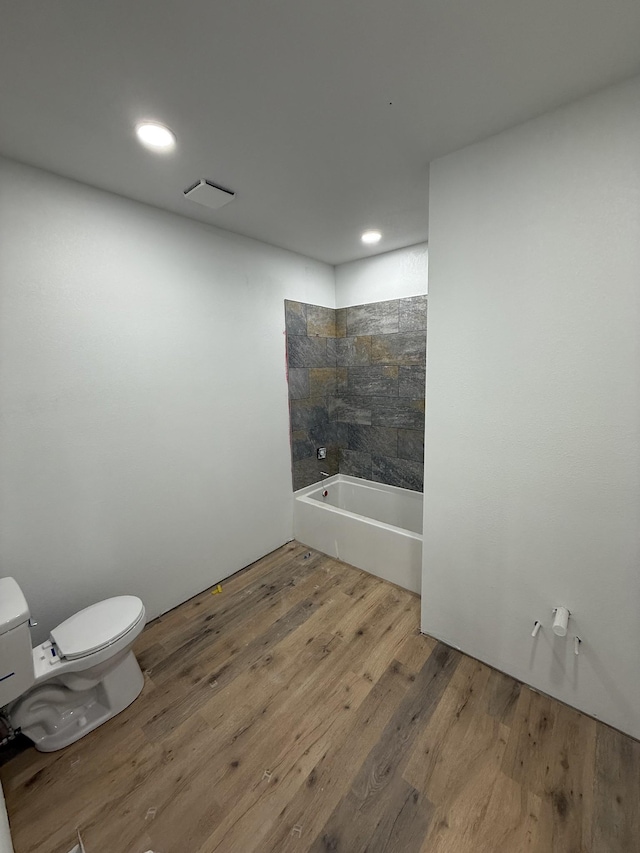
(532,483)
(392,275)
(144,438)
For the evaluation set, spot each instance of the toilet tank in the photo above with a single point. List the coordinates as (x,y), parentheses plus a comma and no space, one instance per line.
(16,659)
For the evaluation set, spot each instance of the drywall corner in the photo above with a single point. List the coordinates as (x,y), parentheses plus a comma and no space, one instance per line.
(392,275)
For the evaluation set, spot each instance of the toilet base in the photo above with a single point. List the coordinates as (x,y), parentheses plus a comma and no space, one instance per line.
(54,716)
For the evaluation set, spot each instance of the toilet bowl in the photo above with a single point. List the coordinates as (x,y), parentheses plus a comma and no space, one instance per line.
(83,675)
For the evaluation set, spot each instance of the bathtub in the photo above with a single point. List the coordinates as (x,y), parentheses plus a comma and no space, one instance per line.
(375,527)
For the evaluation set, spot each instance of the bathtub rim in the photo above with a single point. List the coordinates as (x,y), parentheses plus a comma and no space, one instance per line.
(305,493)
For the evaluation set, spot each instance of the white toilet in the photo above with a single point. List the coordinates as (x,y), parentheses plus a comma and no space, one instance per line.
(83,675)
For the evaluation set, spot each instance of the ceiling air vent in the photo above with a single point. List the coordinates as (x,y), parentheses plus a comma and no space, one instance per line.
(209,195)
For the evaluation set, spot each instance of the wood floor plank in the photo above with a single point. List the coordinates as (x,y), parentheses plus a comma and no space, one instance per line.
(302,710)
(184,686)
(491,814)
(404,821)
(457,762)
(616,819)
(302,658)
(163,771)
(167,626)
(216,647)
(198,685)
(331,778)
(389,626)
(223,611)
(69,776)
(437,763)
(503,693)
(268,735)
(273,678)
(288,761)
(550,751)
(355,820)
(276,740)
(415,648)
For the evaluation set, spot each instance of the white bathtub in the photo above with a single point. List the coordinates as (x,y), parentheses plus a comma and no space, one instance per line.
(375,527)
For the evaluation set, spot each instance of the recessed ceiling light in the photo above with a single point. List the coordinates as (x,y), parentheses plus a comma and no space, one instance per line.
(155,136)
(371,237)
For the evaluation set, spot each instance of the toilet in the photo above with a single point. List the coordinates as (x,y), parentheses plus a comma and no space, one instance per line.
(83,675)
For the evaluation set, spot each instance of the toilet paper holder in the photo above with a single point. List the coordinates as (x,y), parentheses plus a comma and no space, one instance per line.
(561,616)
(560,621)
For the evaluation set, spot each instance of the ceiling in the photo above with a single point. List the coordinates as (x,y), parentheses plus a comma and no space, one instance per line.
(321,116)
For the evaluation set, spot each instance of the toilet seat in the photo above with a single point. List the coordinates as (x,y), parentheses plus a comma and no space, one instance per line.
(97,627)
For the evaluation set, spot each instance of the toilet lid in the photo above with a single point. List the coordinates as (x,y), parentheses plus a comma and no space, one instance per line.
(97,626)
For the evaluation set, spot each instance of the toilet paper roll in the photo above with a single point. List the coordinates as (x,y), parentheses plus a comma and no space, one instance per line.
(560,621)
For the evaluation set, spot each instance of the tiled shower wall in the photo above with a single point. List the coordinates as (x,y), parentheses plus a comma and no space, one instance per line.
(311,332)
(357,387)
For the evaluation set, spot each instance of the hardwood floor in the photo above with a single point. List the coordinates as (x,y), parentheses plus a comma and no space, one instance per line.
(301,710)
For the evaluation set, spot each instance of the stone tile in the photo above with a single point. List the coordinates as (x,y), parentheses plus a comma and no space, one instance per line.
(322,381)
(353,351)
(295,317)
(331,465)
(355,464)
(370,439)
(410,444)
(310,415)
(412,314)
(336,435)
(298,383)
(375,380)
(341,434)
(398,403)
(355,410)
(402,419)
(307,352)
(321,433)
(402,413)
(378,318)
(411,382)
(347,370)
(305,472)
(397,472)
(302,447)
(321,321)
(401,348)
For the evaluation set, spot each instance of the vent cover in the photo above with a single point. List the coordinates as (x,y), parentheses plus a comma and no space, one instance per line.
(209,195)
